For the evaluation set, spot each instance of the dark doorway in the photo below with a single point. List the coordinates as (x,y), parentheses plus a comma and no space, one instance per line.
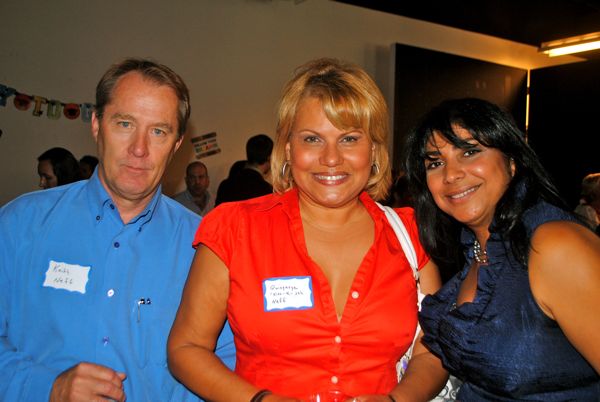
(424,78)
(563,123)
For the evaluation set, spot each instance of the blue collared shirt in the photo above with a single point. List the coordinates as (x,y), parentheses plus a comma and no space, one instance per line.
(76,284)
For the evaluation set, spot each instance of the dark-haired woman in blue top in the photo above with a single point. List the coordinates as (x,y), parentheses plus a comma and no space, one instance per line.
(521,320)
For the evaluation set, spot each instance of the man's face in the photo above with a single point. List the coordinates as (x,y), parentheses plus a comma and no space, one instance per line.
(136,137)
(197,180)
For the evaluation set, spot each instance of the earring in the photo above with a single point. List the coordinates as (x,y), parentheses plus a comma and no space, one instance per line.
(283,169)
(375,168)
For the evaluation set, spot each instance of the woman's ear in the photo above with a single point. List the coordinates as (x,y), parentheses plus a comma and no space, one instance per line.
(287,151)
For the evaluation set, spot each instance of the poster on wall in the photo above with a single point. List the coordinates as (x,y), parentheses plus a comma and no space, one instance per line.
(205,145)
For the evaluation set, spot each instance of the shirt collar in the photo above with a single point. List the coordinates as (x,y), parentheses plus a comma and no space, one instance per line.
(371,206)
(101,202)
(205,195)
(467,237)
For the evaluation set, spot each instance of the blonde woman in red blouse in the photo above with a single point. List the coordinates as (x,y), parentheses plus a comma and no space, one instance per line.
(317,290)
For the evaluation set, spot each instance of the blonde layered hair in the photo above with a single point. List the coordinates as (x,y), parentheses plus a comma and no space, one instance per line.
(351,100)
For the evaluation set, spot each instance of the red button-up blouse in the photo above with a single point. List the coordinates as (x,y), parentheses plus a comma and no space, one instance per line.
(298,350)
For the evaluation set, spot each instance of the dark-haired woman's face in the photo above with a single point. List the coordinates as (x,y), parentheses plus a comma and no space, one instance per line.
(46,172)
(467,183)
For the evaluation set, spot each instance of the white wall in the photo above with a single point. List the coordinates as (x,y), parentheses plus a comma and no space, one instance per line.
(235,56)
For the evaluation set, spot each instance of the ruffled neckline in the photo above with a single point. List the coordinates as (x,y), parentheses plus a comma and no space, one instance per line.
(441,307)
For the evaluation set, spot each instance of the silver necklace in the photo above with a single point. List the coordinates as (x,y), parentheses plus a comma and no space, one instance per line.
(480,255)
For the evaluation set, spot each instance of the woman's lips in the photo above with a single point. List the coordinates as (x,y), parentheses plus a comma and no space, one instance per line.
(330,178)
(462,194)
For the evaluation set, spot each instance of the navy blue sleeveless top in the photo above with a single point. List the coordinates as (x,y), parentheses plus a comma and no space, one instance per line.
(502,345)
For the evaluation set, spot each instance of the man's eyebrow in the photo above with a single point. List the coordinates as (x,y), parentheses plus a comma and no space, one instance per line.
(168,127)
(117,116)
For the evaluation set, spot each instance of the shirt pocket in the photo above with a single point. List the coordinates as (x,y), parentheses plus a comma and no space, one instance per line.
(150,325)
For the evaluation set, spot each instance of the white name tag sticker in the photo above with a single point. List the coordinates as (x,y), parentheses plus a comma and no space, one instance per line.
(288,293)
(71,277)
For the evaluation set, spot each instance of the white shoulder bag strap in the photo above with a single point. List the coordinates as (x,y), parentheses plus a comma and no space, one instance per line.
(403,238)
(411,256)
(453,384)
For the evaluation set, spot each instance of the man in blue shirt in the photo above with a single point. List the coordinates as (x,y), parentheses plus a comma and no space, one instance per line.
(91,273)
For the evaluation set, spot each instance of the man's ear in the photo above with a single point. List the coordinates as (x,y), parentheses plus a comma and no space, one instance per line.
(95,126)
(178,143)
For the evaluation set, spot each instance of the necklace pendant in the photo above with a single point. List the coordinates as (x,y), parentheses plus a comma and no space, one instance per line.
(479,254)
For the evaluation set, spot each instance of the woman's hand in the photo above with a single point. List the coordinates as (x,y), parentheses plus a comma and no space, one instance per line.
(371,398)
(279,398)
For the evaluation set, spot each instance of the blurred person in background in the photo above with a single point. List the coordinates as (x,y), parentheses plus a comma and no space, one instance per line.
(250,181)
(196,197)
(57,166)
(589,203)
(87,165)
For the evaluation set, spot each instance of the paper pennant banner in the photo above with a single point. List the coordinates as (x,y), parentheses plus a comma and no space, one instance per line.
(5,92)
(53,108)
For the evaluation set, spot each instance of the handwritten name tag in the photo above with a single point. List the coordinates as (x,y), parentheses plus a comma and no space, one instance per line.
(71,277)
(288,293)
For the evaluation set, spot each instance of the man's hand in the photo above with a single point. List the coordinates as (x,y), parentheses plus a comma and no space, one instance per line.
(88,382)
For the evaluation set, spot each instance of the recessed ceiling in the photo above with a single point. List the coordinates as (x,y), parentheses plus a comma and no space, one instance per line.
(527,21)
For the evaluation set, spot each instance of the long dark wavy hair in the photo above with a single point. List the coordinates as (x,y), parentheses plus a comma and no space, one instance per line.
(493,128)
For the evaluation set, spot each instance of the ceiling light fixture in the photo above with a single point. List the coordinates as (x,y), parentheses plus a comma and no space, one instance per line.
(575,44)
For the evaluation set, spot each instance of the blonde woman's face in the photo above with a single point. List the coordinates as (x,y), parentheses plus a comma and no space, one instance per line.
(330,167)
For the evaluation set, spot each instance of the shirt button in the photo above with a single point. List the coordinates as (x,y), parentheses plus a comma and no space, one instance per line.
(112,206)
(355,295)
(116,244)
(105,340)
(338,339)
(97,217)
(334,380)
(110,293)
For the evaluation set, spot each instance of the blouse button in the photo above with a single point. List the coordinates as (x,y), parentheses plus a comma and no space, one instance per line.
(334,380)
(355,295)
(338,339)
(110,293)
